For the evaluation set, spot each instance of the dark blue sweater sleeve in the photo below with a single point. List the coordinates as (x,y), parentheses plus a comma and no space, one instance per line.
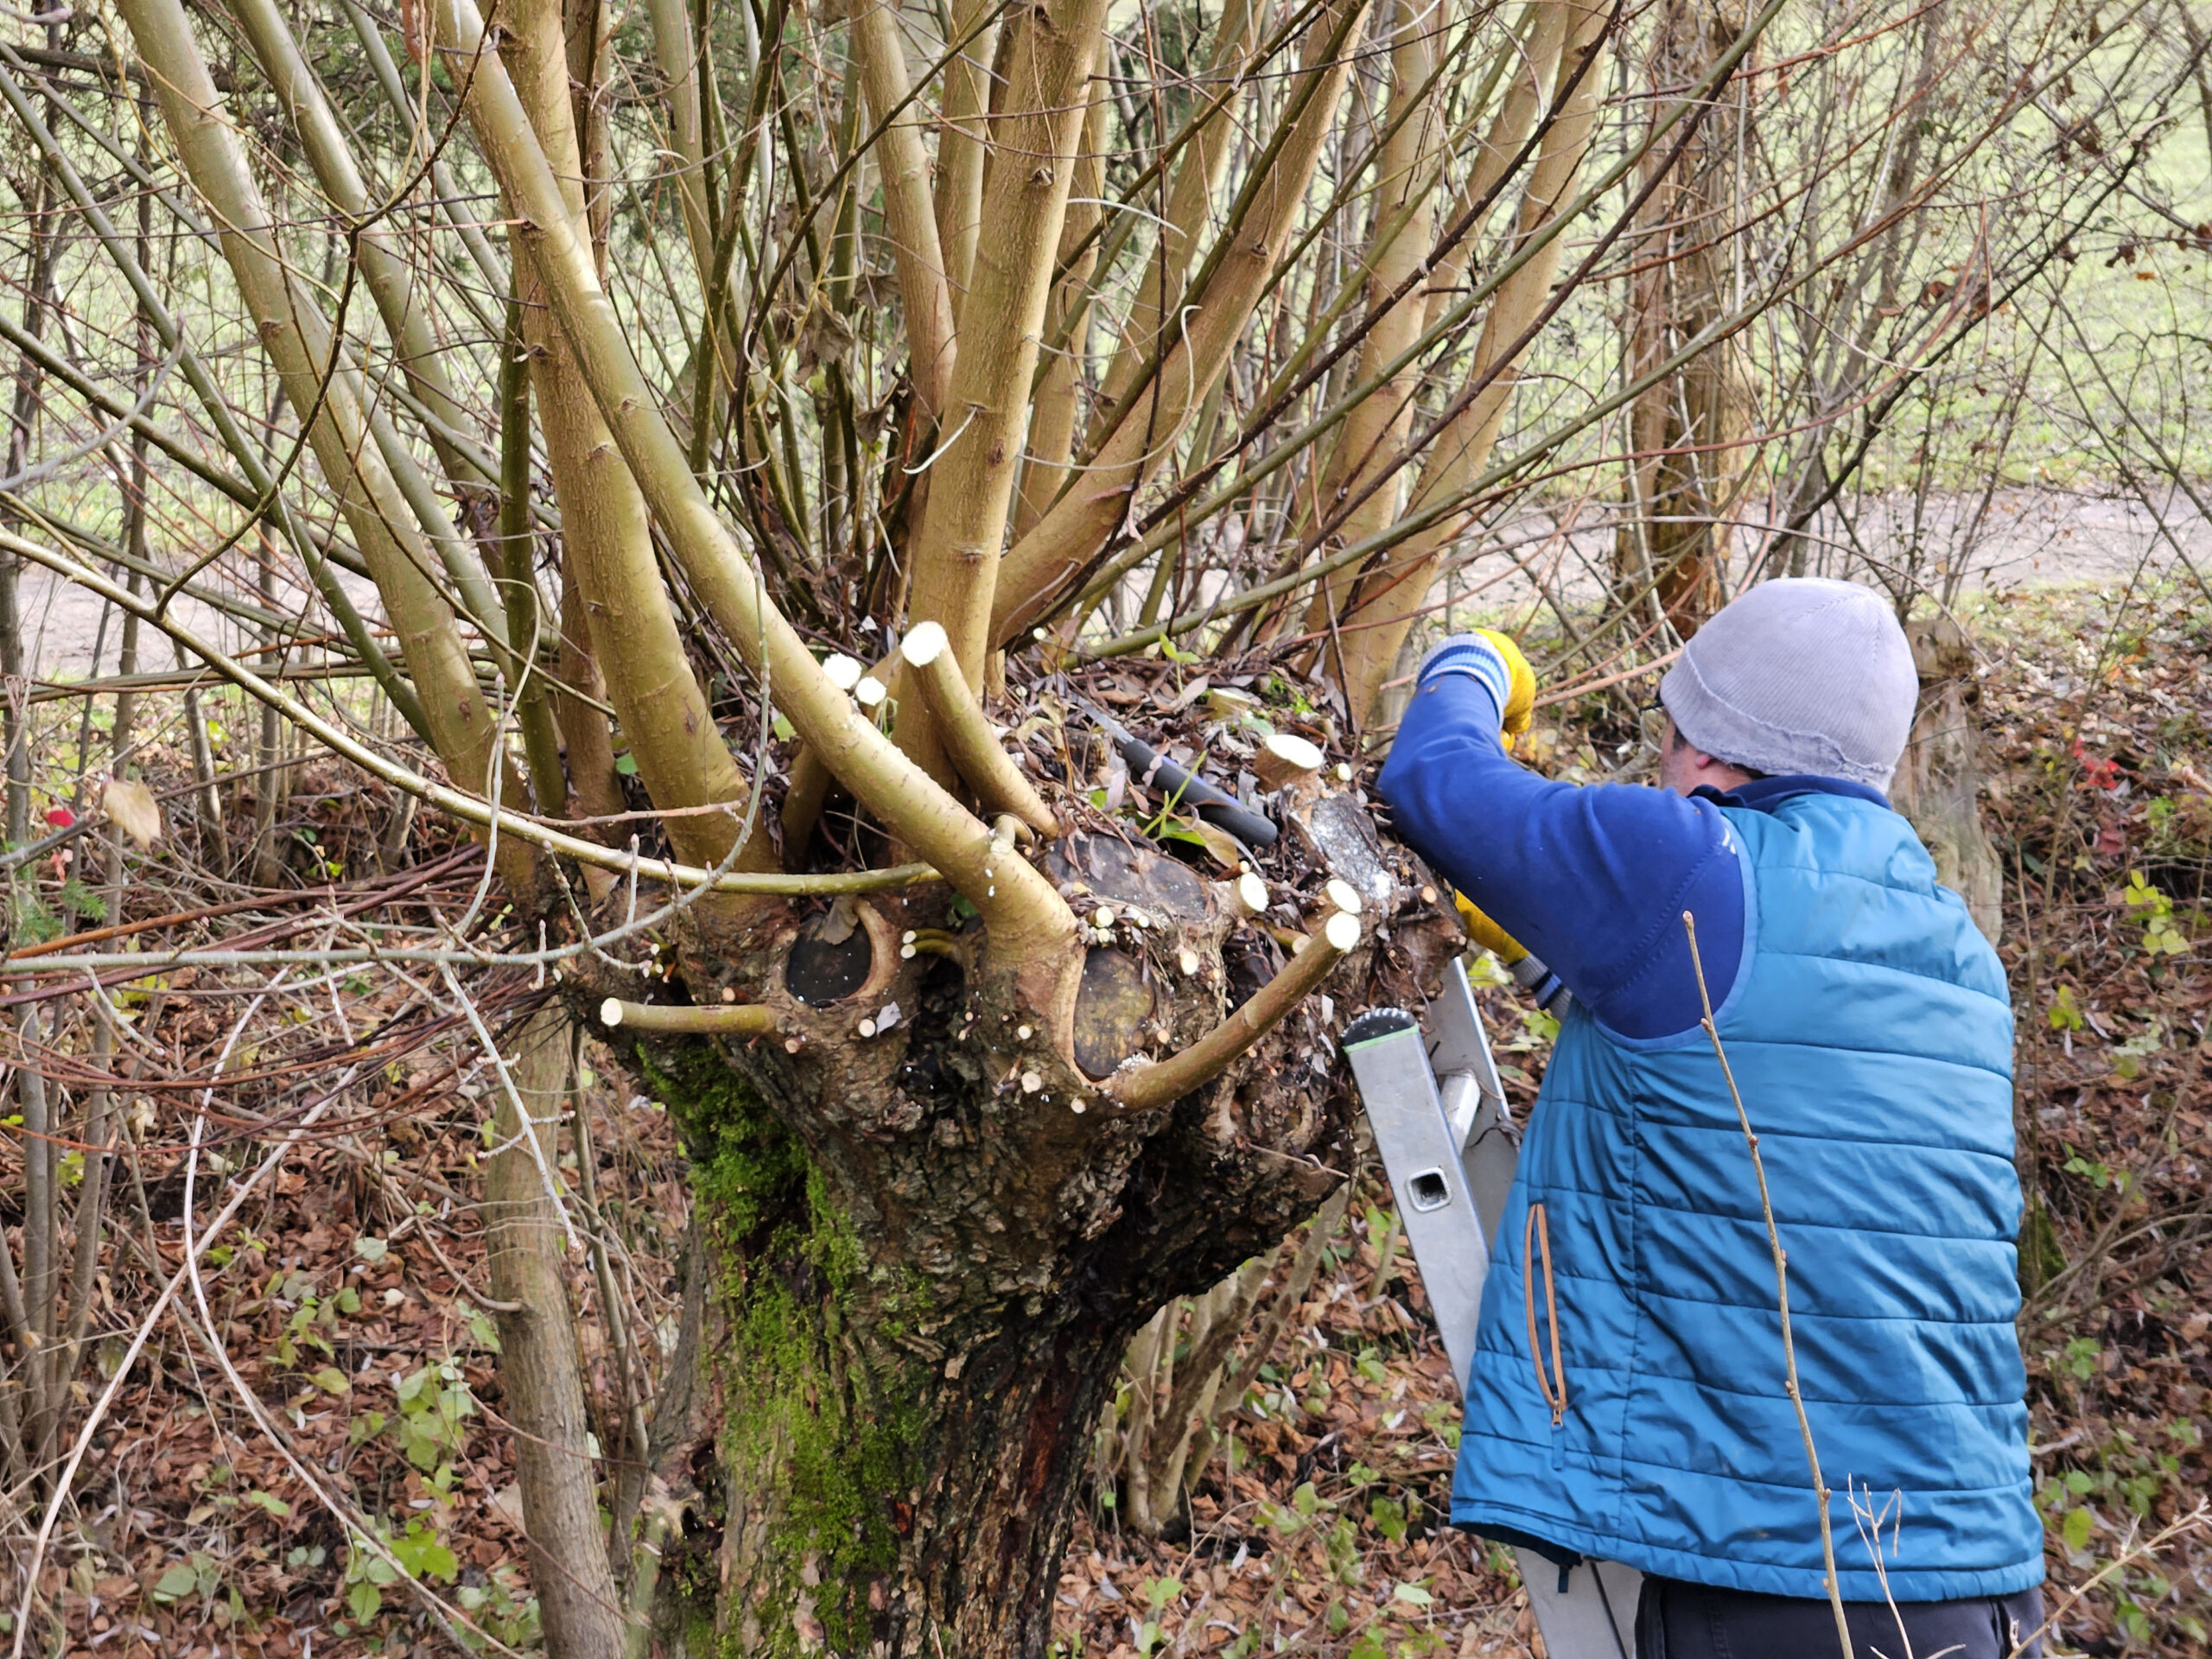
(1593,878)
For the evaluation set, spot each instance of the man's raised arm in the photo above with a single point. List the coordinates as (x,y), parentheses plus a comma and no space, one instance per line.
(1593,878)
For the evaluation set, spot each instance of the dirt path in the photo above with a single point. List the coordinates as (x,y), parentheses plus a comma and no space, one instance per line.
(64,636)
(2021,538)
(2018,538)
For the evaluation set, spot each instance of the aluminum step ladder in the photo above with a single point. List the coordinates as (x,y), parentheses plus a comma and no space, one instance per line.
(1448,1137)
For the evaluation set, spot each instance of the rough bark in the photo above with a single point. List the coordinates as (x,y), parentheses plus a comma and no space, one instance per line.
(1938,783)
(921,1255)
(1683,429)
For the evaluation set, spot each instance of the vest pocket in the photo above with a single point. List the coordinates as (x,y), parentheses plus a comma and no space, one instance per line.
(1536,1248)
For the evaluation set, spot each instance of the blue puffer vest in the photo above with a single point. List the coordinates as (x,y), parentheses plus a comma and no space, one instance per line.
(1871,1034)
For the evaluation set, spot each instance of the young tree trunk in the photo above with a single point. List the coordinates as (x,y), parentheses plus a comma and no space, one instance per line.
(964,141)
(907,211)
(1025,194)
(540,1369)
(300,343)
(1404,214)
(14,729)
(1393,589)
(1671,554)
(1053,411)
(1138,434)
(607,536)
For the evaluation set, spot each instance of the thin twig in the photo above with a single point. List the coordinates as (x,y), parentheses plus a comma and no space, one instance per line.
(2197,1520)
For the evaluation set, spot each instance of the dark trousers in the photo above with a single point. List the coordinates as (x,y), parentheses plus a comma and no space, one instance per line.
(1675,1620)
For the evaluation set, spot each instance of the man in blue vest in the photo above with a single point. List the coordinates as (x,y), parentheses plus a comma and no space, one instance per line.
(1627,1400)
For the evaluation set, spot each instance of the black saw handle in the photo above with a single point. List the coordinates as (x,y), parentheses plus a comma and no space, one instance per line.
(1153,770)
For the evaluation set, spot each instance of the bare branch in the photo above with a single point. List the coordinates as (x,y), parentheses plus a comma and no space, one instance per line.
(968,736)
(739,1020)
(1161,1081)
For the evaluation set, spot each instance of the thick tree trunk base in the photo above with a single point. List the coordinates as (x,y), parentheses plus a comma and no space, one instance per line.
(924,1236)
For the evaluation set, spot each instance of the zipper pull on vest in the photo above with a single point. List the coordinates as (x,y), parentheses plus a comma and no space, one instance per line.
(1535,1247)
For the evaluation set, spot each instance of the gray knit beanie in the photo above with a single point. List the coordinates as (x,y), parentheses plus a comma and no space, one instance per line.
(1800,675)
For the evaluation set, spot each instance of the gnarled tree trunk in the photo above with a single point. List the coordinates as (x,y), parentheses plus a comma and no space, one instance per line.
(1938,784)
(925,1239)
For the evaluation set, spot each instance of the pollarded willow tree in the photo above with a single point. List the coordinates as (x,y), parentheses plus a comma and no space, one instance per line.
(697,422)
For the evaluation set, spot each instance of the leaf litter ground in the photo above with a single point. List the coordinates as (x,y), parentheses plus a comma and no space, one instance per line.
(349,1300)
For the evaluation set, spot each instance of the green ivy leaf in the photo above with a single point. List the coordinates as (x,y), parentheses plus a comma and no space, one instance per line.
(2076,1527)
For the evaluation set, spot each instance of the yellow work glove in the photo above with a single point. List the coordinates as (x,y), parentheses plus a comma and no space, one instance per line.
(1487,933)
(1521,698)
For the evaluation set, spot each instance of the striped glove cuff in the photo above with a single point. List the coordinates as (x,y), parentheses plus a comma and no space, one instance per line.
(1472,655)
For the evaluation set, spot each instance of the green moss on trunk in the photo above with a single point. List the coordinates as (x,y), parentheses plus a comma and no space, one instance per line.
(829,1421)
